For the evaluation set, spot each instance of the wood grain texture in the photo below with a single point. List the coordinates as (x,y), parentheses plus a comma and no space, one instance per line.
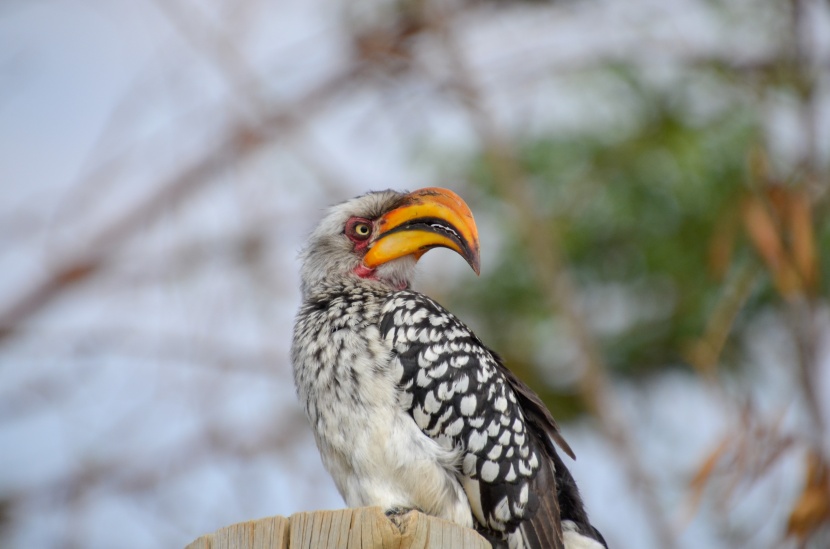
(362,528)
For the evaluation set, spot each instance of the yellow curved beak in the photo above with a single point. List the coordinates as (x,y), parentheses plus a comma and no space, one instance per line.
(428,218)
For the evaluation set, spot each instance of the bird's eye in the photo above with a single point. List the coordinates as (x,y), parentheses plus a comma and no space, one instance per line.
(359,229)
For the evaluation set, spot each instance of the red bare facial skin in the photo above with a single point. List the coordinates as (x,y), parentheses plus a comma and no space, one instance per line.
(365,272)
(361,244)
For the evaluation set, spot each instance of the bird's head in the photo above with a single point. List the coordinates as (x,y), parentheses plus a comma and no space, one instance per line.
(381,235)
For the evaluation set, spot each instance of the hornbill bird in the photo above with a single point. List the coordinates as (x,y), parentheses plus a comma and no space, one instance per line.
(410,410)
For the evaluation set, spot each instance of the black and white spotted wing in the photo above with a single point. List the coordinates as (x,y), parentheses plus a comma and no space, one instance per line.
(458,394)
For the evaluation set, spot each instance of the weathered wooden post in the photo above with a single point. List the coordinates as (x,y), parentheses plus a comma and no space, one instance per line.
(363,528)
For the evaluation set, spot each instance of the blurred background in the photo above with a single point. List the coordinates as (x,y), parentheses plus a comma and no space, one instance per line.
(650,181)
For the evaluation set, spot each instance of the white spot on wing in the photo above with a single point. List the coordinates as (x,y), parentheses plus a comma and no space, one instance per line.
(469,464)
(460,360)
(430,355)
(397,369)
(534,461)
(476,441)
(431,404)
(468,405)
(436,320)
(439,370)
(454,428)
(489,471)
(500,404)
(421,418)
(502,510)
(446,415)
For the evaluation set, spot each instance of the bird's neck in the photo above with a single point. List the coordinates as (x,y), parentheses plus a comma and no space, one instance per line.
(328,289)
(349,285)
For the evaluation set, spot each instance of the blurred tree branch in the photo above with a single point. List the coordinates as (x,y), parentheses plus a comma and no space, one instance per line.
(240,142)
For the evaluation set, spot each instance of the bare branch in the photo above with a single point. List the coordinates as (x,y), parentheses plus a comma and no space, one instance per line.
(239,143)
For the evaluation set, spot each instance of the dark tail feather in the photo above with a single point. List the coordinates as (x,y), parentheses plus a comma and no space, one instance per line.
(544,530)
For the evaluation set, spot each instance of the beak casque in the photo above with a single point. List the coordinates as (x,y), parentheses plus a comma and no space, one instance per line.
(428,218)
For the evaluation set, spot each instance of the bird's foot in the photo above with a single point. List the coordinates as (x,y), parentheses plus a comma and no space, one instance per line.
(397,515)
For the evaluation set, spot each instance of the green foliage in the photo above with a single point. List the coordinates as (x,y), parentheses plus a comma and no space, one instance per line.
(636,217)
